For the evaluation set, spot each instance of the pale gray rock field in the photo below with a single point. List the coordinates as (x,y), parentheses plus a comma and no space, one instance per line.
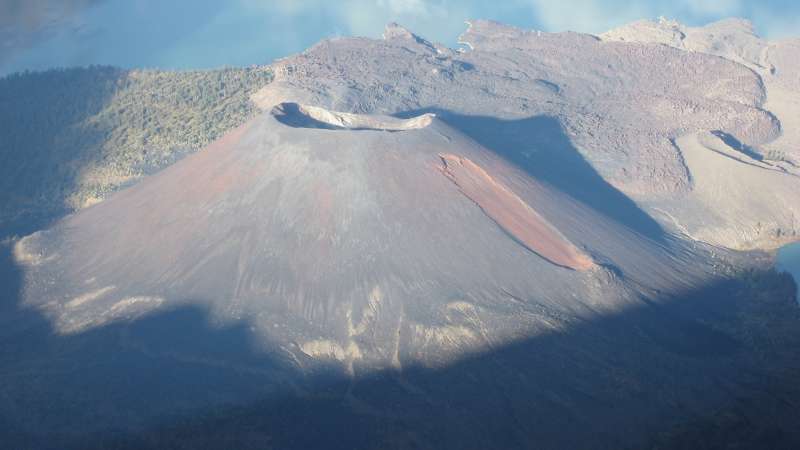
(539,240)
(623,99)
(756,213)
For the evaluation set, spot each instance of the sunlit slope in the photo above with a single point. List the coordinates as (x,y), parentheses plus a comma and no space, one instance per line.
(364,239)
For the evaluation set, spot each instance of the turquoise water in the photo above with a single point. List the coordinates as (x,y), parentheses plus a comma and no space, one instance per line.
(789,261)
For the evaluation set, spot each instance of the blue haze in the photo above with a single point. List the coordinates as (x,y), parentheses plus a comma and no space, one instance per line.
(789,261)
(183,34)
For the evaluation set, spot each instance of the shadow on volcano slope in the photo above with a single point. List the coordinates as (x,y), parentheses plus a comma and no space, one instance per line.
(707,369)
(44,134)
(539,146)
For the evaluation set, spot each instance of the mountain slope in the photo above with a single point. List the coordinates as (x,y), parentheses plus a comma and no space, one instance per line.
(348,229)
(70,137)
(622,104)
(523,244)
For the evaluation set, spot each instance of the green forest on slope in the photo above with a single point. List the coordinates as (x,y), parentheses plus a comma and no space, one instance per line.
(69,137)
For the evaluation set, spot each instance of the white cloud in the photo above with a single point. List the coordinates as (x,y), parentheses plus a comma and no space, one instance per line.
(255,31)
(586,15)
(415,7)
(596,16)
(711,7)
(358,17)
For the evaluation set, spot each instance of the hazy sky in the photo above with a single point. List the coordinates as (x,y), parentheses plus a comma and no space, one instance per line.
(38,34)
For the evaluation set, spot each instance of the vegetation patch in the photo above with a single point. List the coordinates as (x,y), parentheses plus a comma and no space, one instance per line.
(69,137)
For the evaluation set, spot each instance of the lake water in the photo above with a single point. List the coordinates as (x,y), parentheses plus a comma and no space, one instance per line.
(789,261)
